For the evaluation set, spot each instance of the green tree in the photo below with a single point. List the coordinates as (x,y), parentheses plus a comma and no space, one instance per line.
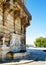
(44,43)
(40,42)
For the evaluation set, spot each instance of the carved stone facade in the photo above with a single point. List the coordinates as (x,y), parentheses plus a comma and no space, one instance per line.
(14,18)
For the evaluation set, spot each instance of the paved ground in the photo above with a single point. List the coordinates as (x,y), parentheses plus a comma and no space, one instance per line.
(36,57)
(36,63)
(30,62)
(39,54)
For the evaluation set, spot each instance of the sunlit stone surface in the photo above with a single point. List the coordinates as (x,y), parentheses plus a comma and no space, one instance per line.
(14,18)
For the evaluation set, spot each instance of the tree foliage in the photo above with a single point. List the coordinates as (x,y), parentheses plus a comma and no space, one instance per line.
(40,42)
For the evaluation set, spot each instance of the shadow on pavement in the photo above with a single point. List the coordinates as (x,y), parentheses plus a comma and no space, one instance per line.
(35,55)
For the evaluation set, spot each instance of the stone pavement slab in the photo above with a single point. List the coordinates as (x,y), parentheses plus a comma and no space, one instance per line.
(36,63)
(18,63)
(26,62)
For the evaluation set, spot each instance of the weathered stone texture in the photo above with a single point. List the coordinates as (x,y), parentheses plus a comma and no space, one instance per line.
(13,22)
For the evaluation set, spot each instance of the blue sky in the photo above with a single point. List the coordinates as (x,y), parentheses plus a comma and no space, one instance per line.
(37,9)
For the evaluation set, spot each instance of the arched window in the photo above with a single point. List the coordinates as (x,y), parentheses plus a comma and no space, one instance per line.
(10,22)
(18,25)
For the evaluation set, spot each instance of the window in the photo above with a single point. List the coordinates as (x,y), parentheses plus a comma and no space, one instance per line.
(18,25)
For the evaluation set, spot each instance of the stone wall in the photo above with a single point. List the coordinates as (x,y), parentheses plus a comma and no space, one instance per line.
(13,23)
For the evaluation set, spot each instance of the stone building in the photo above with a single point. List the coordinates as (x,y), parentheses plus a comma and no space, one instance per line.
(14,19)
